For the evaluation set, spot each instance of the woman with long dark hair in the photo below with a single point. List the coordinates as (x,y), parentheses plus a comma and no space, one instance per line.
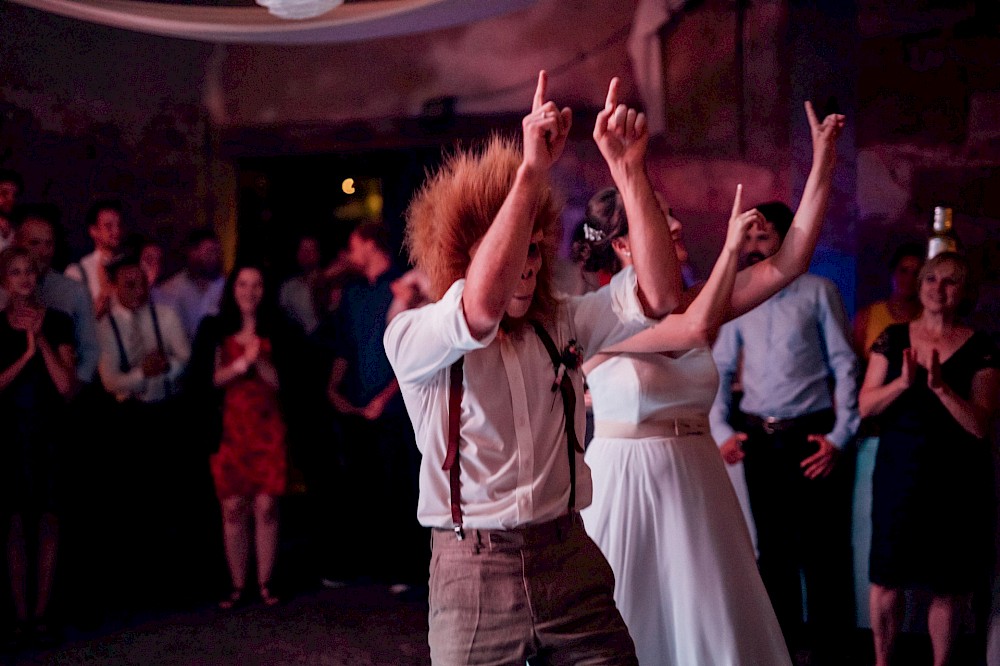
(249,469)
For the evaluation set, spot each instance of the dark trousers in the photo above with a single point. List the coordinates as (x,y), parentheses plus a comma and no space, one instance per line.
(803,525)
(379,501)
(158,504)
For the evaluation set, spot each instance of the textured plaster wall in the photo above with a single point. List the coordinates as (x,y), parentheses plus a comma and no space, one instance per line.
(87,110)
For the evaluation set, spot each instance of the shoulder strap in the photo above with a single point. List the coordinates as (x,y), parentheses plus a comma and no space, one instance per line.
(123,362)
(167,384)
(564,384)
(451,463)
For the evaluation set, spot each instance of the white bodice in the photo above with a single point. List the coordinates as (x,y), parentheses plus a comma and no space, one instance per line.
(633,388)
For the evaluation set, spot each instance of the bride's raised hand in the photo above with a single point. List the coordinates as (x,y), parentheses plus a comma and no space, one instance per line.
(740,223)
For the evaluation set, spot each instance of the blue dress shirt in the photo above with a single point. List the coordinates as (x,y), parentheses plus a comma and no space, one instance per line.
(61,293)
(792,346)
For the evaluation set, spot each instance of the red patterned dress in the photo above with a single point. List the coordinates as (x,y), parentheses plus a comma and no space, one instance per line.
(251,457)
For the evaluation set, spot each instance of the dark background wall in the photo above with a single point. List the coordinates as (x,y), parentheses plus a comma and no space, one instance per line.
(175,127)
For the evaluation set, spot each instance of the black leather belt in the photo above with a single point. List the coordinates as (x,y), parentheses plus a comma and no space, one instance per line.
(771,424)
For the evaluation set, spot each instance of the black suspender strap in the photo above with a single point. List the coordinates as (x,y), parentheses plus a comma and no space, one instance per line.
(564,383)
(167,387)
(451,459)
(156,329)
(123,362)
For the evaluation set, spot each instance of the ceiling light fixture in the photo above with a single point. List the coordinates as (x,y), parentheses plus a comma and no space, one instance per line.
(299,9)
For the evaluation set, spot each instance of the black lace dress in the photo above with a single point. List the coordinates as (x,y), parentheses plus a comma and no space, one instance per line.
(932,495)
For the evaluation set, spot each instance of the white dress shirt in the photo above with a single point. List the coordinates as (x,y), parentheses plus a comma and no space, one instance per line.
(139,340)
(89,266)
(514,464)
(188,300)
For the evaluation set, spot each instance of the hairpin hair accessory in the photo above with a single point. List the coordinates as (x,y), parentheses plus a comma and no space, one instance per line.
(591,234)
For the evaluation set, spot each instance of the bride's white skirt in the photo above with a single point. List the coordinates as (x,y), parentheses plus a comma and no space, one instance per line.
(665,515)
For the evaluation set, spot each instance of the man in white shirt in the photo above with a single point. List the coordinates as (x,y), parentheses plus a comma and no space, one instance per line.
(143,346)
(143,352)
(104,224)
(514,576)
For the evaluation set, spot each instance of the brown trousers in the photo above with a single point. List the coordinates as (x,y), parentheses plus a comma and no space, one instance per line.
(541,594)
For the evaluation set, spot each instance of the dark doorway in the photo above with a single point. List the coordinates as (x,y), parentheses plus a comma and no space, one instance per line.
(282,198)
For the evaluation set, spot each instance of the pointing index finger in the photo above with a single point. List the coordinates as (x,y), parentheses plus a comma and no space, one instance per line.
(543,80)
(811,114)
(612,100)
(738,201)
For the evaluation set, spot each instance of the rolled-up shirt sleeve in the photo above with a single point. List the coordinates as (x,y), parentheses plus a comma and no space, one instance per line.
(421,342)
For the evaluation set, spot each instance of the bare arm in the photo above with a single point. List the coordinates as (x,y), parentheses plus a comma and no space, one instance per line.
(495,269)
(226,373)
(622,135)
(265,369)
(973,414)
(756,284)
(59,364)
(15,368)
(876,395)
(377,405)
(698,325)
(340,403)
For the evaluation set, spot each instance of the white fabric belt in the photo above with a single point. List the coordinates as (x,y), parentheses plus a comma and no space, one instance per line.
(683,426)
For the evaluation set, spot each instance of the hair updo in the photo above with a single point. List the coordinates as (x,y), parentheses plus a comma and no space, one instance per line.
(605,221)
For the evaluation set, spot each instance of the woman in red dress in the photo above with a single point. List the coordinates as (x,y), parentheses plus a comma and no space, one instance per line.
(249,469)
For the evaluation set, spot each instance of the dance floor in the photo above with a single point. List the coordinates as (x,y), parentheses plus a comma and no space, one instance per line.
(355,626)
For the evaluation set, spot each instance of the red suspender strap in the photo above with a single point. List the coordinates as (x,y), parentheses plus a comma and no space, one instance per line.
(451,462)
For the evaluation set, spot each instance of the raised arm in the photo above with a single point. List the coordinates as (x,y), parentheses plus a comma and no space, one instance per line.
(757,283)
(699,324)
(496,266)
(623,136)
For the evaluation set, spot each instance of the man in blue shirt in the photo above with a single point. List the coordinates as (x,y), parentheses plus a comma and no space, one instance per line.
(380,455)
(800,408)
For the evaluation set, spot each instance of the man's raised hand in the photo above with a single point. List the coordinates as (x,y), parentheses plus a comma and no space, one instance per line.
(824,134)
(621,133)
(545,128)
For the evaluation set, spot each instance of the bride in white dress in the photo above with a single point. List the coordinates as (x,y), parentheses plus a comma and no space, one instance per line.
(664,511)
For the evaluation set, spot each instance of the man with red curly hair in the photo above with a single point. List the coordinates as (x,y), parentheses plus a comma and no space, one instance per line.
(490,375)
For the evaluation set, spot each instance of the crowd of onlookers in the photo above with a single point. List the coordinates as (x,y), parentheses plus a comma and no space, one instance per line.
(152,422)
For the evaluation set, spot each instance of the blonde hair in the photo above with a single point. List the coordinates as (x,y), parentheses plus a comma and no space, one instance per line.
(963,274)
(455,208)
